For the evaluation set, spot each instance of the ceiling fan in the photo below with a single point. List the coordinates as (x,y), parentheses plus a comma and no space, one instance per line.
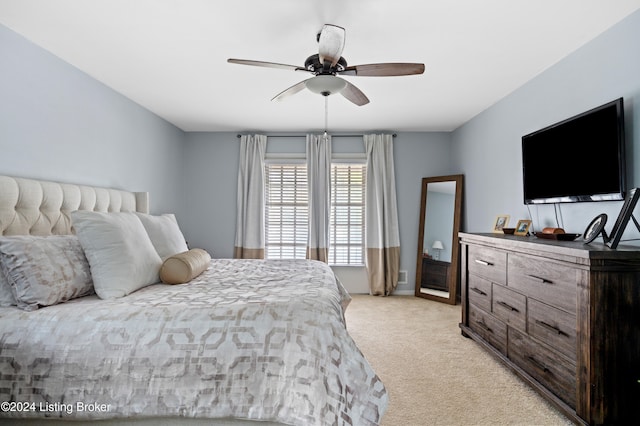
(328,63)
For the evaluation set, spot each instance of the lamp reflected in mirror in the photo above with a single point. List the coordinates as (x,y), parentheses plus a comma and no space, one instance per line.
(437,246)
(437,275)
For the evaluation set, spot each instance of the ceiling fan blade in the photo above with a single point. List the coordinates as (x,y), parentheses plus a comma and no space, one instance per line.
(353,94)
(265,64)
(384,70)
(330,45)
(290,91)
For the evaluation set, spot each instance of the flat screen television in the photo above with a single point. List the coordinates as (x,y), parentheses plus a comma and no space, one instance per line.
(579,159)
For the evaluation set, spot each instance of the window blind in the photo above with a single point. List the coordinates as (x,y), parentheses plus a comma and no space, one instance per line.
(286,211)
(346,235)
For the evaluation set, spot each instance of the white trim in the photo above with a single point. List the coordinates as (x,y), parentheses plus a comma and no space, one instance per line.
(354,158)
(345,157)
(289,158)
(403,293)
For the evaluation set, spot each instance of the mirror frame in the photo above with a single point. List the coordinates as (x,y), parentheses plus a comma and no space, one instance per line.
(453,280)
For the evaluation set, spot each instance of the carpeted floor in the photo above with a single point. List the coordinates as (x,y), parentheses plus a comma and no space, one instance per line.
(433,374)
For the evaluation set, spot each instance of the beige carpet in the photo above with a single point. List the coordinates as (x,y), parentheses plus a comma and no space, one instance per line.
(433,374)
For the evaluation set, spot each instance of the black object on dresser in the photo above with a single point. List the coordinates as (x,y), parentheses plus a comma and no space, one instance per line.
(563,315)
(435,274)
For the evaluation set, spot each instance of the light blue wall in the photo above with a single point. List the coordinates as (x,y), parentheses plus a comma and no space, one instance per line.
(487,149)
(57,123)
(416,155)
(210,190)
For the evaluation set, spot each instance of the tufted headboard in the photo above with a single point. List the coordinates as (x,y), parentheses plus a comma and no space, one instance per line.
(35,207)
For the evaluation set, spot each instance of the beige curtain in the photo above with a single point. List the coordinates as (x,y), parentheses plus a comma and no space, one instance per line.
(319,181)
(381,213)
(249,243)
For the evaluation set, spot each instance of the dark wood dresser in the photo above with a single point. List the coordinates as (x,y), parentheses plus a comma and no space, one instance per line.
(563,315)
(435,274)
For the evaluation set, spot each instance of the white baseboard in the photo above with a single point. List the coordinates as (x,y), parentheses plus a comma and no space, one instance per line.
(395,293)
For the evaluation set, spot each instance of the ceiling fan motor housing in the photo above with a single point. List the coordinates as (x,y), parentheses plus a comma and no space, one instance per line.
(313,64)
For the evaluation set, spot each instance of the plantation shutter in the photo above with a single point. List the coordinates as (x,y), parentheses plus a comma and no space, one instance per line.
(347,214)
(287,211)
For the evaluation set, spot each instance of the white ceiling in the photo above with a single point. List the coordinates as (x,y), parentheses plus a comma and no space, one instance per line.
(170,55)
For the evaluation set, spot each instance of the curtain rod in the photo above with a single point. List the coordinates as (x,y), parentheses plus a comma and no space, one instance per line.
(302,136)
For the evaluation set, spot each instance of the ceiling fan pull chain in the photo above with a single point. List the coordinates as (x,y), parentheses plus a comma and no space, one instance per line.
(326,114)
(325,135)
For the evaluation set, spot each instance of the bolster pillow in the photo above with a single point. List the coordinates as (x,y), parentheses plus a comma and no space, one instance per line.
(185,266)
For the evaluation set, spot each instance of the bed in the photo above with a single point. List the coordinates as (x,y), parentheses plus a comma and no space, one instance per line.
(244,341)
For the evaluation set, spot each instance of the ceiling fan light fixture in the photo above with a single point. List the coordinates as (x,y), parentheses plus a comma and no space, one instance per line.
(325,84)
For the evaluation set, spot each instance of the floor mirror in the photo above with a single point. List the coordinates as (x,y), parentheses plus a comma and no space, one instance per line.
(437,267)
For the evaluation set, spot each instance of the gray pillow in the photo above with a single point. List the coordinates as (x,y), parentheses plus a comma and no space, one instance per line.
(6,296)
(45,271)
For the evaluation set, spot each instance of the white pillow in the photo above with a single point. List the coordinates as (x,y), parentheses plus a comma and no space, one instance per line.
(164,233)
(120,253)
(45,271)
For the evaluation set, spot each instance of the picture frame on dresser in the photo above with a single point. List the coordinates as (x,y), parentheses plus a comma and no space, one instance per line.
(626,214)
(595,228)
(500,222)
(522,228)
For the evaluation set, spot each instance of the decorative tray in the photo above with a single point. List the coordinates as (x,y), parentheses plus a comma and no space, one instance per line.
(559,237)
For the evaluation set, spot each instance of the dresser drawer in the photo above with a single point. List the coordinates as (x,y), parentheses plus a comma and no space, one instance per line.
(543,364)
(480,292)
(488,263)
(553,326)
(552,283)
(491,329)
(509,306)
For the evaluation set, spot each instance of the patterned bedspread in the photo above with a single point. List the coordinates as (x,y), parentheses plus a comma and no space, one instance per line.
(251,339)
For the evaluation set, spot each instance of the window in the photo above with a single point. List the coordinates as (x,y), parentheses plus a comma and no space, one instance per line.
(287,211)
(346,236)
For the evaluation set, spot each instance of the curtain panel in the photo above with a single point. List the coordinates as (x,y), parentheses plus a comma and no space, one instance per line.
(381,213)
(250,239)
(319,181)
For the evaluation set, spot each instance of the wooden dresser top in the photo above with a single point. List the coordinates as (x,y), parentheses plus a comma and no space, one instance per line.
(571,251)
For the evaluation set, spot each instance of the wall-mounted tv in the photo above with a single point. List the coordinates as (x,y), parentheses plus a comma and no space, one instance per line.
(579,159)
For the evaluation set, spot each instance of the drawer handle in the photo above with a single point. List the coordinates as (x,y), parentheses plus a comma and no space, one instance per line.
(482,324)
(540,279)
(538,364)
(508,306)
(551,328)
(483,262)
(477,290)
